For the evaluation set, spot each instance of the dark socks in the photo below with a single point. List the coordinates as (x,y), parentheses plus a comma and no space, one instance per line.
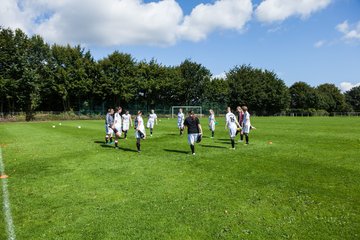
(241,137)
(151,131)
(138,144)
(212,133)
(106,139)
(111,139)
(125,134)
(192,149)
(247,138)
(232,143)
(116,143)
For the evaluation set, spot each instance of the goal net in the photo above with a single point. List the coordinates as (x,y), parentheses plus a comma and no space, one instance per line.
(175,109)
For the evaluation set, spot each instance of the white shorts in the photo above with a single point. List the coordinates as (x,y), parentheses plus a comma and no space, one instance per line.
(246,128)
(118,127)
(125,126)
(108,130)
(192,138)
(181,125)
(212,126)
(137,134)
(150,124)
(232,132)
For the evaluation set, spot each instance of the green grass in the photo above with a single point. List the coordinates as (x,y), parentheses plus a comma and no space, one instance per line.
(66,184)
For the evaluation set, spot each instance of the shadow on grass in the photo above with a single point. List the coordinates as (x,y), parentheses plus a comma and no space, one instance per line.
(127,149)
(176,151)
(172,134)
(224,142)
(211,146)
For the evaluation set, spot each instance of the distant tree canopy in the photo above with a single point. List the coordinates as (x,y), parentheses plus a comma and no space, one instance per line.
(35,76)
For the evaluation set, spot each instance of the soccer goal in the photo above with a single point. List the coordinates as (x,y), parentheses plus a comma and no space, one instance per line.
(175,109)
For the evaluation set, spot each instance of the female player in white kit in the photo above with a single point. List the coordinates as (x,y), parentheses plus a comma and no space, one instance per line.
(233,125)
(151,121)
(127,123)
(212,122)
(180,121)
(139,129)
(117,125)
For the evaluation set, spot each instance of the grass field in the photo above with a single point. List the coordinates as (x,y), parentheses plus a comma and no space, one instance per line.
(65,183)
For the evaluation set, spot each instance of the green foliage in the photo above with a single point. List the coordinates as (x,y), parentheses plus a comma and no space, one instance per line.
(303,96)
(194,79)
(262,91)
(353,98)
(37,77)
(331,98)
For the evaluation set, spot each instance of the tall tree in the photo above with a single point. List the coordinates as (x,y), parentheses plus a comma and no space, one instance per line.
(353,98)
(303,96)
(261,90)
(194,78)
(118,77)
(331,98)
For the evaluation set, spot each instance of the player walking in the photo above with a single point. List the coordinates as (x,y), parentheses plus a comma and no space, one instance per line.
(246,124)
(109,121)
(139,129)
(127,123)
(212,122)
(117,125)
(232,124)
(180,121)
(194,130)
(240,115)
(151,121)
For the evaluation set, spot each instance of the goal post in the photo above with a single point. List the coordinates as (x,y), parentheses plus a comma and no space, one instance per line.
(175,109)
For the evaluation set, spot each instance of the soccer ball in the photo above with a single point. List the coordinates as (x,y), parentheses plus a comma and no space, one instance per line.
(79,126)
(53,126)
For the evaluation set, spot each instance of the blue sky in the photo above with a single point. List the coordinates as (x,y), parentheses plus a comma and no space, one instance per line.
(314,41)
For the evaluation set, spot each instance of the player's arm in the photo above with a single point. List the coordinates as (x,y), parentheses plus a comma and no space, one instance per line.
(237,123)
(200,129)
(156,122)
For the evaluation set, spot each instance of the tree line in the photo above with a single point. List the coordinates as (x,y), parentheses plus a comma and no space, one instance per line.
(36,76)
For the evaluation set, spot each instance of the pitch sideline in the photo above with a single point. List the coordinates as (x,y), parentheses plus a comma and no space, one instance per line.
(10,228)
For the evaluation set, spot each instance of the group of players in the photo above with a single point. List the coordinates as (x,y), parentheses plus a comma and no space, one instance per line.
(236,124)
(117,124)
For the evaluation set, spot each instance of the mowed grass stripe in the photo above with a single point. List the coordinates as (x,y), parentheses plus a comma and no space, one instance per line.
(301,186)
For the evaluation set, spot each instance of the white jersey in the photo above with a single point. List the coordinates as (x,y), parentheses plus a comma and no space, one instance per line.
(231,120)
(117,121)
(231,123)
(246,122)
(126,118)
(139,125)
(212,122)
(152,117)
(151,120)
(181,120)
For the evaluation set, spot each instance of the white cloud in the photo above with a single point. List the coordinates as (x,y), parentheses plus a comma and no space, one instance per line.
(223,14)
(320,44)
(11,16)
(349,32)
(122,22)
(346,86)
(279,10)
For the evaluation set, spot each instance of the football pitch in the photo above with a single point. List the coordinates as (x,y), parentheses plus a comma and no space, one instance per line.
(299,178)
